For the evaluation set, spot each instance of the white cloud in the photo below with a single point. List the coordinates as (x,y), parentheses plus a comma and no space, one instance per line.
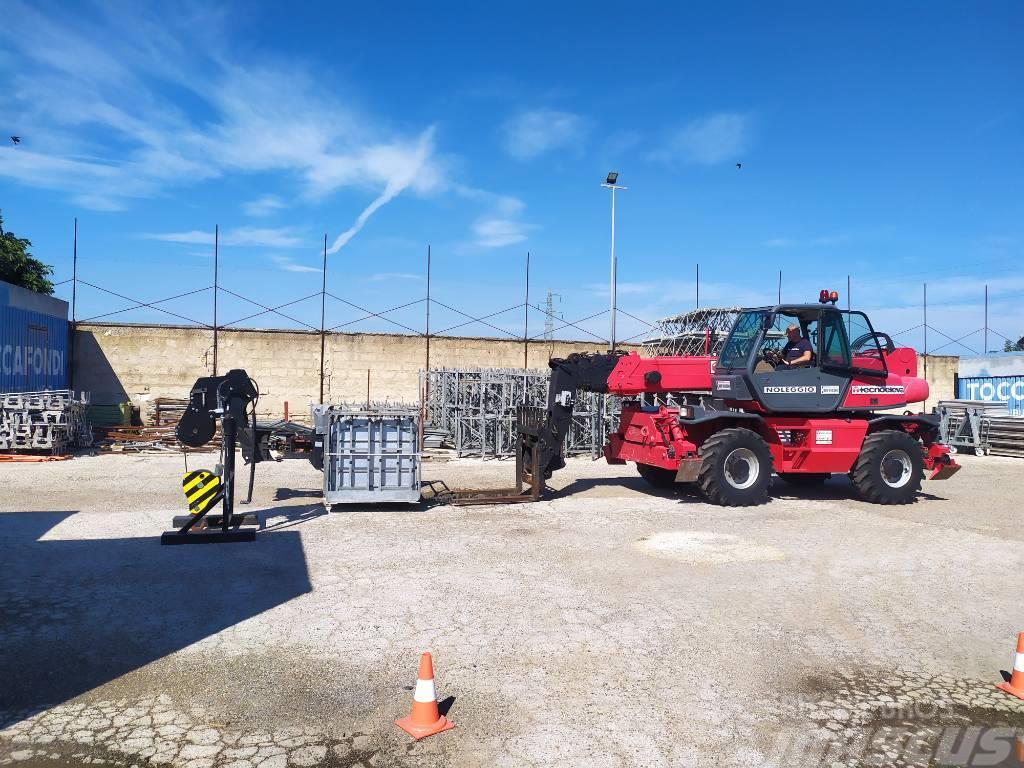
(263,206)
(708,140)
(839,238)
(493,232)
(404,169)
(100,101)
(284,237)
(533,133)
(288,264)
(500,225)
(89,96)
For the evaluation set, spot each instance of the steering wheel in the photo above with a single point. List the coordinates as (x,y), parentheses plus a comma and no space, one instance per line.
(772,357)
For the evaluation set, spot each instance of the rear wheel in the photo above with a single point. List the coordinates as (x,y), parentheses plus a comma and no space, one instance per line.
(736,468)
(659,477)
(889,468)
(805,479)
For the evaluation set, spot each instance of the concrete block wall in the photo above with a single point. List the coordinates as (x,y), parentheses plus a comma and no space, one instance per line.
(940,373)
(141,362)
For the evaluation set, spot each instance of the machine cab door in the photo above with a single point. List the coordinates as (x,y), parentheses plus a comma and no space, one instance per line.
(815,386)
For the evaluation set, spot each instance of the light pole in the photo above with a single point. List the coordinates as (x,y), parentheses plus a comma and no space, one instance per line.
(610,183)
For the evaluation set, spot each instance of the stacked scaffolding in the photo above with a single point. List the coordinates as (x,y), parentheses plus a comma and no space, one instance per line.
(53,421)
(477,407)
(698,332)
(984,426)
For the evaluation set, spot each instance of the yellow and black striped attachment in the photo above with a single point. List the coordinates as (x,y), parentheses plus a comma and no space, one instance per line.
(202,489)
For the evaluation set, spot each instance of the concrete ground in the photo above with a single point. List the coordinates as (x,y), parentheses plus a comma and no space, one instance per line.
(611,625)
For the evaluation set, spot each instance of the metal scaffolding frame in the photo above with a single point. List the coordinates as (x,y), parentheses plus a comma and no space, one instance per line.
(477,407)
(54,421)
(697,332)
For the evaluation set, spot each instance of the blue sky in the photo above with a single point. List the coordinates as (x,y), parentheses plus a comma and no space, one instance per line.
(880,140)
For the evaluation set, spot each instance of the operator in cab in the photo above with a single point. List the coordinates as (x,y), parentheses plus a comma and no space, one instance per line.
(798,350)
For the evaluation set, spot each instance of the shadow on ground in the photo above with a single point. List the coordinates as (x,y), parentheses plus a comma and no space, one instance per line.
(682,491)
(75,614)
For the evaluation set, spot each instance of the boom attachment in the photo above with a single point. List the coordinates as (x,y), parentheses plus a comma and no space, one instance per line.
(229,400)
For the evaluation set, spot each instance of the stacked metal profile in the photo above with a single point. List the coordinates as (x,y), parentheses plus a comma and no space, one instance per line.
(53,420)
(1006,435)
(982,425)
(478,406)
(698,332)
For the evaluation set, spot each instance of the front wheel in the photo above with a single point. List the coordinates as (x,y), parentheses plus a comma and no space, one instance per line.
(736,468)
(889,469)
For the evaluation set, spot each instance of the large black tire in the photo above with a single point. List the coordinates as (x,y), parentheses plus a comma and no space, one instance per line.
(736,468)
(889,468)
(659,477)
(805,479)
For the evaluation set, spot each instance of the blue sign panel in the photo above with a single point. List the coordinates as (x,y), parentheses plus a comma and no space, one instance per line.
(995,389)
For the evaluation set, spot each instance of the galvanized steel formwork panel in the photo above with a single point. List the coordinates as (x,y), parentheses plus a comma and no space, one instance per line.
(369,456)
(994,389)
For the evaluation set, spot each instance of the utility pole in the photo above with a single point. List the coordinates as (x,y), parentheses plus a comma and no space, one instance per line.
(697,305)
(216,269)
(985,348)
(323,316)
(610,183)
(426,376)
(848,300)
(924,306)
(549,322)
(74,306)
(425,394)
(526,317)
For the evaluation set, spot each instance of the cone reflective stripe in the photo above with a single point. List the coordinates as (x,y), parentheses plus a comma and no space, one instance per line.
(425,719)
(1016,685)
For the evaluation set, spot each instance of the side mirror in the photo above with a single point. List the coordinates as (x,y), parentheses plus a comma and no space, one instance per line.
(767,322)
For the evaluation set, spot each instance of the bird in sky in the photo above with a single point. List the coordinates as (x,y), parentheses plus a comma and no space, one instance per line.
(16,139)
(739,165)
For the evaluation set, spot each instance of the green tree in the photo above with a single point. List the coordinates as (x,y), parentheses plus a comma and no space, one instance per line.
(1011,346)
(19,267)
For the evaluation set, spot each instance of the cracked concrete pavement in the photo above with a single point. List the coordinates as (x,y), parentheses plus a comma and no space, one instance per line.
(611,625)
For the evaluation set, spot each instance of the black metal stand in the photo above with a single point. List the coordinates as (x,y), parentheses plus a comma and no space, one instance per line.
(230,524)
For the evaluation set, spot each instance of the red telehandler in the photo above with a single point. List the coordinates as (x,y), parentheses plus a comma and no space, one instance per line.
(733,420)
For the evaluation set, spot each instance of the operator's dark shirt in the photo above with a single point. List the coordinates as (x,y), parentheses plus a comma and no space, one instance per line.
(795,349)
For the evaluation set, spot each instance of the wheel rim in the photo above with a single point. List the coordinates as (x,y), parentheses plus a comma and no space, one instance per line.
(741,468)
(896,468)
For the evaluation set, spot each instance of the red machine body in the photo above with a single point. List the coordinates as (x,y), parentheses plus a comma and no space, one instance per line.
(901,386)
(729,422)
(635,375)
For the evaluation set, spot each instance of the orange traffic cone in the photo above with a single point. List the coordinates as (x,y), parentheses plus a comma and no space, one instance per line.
(425,720)
(1016,685)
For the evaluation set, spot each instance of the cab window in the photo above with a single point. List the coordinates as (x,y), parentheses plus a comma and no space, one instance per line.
(835,350)
(866,352)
